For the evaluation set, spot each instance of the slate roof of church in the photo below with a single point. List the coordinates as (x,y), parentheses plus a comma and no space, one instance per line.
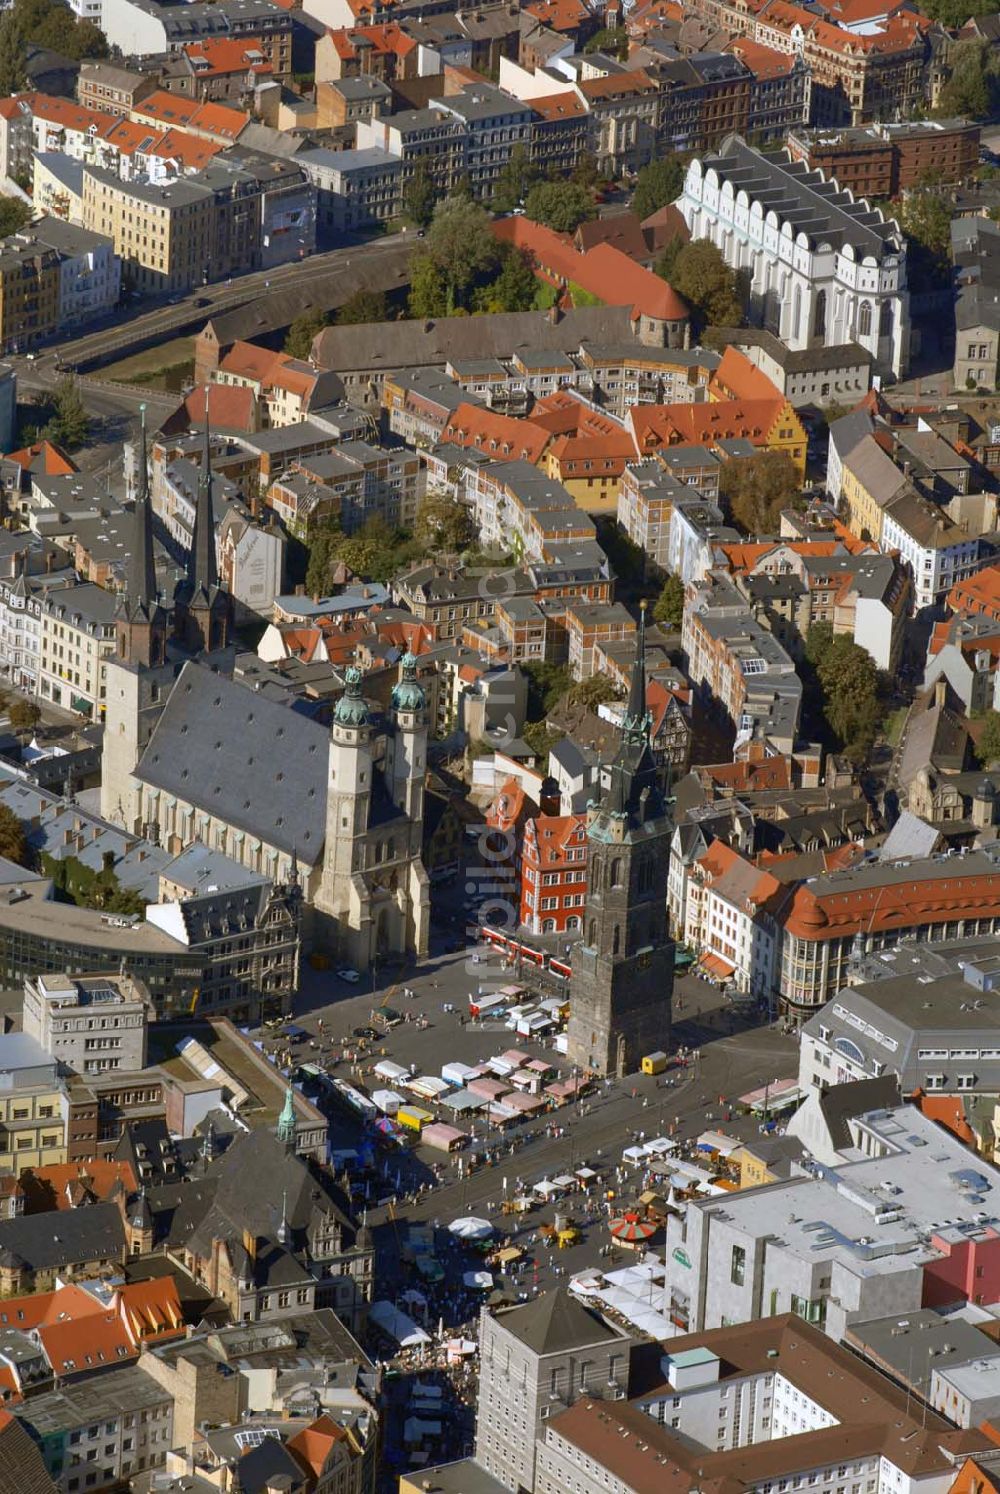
(243,758)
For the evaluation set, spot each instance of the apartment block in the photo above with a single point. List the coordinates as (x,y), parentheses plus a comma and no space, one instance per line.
(92,1024)
(32,1105)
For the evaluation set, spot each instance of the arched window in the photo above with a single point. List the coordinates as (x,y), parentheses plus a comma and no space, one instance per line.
(572,923)
(797,311)
(592,936)
(885,320)
(865,319)
(549,926)
(819,316)
(616,872)
(616,940)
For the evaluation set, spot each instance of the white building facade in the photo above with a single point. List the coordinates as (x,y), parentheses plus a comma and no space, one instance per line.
(823,270)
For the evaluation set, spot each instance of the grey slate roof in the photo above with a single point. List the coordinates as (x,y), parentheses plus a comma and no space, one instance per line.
(47,1242)
(811,204)
(242,757)
(419,344)
(555,1323)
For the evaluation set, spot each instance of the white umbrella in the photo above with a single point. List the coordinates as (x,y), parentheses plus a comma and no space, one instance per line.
(470,1228)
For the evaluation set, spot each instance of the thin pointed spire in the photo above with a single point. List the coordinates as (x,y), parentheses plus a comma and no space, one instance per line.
(635,714)
(140,576)
(202,571)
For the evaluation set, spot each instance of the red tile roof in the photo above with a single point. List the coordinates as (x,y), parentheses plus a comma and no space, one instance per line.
(603,271)
(218,55)
(43,457)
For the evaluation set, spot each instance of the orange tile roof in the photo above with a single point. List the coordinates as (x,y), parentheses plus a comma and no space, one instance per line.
(877,908)
(552,835)
(949,1112)
(657,426)
(313,1445)
(43,457)
(603,271)
(87,1341)
(46,1188)
(170,109)
(737,378)
(64,112)
(559,15)
(151,1310)
(494,434)
(224,54)
(763,62)
(229,405)
(383,39)
(559,106)
(979,594)
(619,85)
(188,151)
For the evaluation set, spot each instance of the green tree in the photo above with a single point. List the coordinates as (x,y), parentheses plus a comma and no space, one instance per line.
(758,488)
(107,893)
(702,277)
(70,423)
(514,289)
(584,173)
(612,41)
(459,242)
(419,197)
(925,218)
(541,738)
(363,306)
(818,641)
(442,525)
(852,707)
(668,609)
(664,266)
(24,716)
(14,214)
(562,206)
(12,54)
(322,558)
(428,291)
(657,184)
(299,337)
(13,839)
(547,684)
(972,89)
(598,690)
(516,176)
(988,745)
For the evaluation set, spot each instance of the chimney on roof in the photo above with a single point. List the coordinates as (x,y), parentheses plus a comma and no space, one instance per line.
(940,692)
(554,314)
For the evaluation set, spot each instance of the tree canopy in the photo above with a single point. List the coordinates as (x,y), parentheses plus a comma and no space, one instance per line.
(13,840)
(668,609)
(375,552)
(702,277)
(758,488)
(14,215)
(419,196)
(363,306)
(299,337)
(442,525)
(657,184)
(516,176)
(849,682)
(43,23)
(595,691)
(925,218)
(611,40)
(988,745)
(973,87)
(458,252)
(562,206)
(70,423)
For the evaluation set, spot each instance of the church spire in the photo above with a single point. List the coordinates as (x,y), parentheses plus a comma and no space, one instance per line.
(635,714)
(140,576)
(202,570)
(285,1129)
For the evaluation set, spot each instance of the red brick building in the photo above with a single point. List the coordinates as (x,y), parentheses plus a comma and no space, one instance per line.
(554,873)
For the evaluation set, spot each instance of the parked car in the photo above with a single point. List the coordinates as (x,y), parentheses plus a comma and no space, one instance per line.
(349,975)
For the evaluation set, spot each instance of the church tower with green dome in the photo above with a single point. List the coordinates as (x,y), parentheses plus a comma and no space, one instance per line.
(374,890)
